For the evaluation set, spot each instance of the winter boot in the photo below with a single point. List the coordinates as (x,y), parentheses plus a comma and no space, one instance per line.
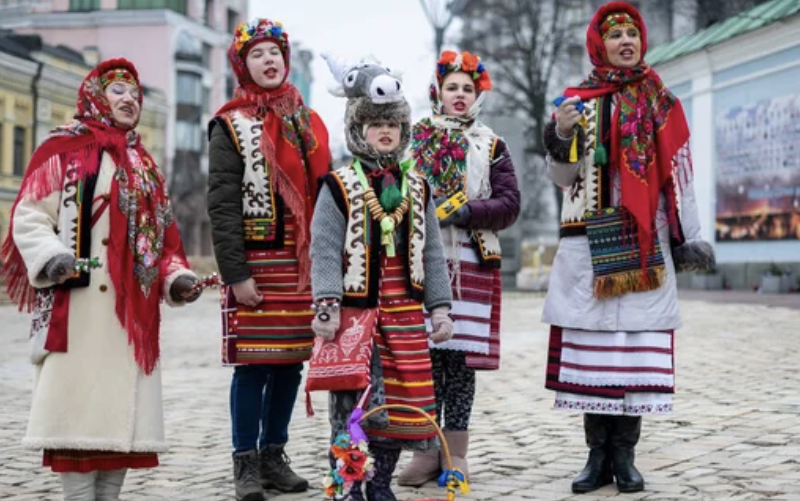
(380,487)
(276,472)
(109,484)
(597,471)
(245,477)
(356,492)
(624,437)
(458,442)
(79,486)
(424,466)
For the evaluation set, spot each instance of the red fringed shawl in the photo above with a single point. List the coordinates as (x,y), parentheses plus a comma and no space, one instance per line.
(142,230)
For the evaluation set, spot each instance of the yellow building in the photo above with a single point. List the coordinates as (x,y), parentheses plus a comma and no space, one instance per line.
(38,89)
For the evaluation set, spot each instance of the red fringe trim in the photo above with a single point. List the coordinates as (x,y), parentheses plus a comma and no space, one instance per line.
(298,208)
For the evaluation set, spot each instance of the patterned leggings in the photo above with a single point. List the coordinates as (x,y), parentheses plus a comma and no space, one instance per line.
(454,384)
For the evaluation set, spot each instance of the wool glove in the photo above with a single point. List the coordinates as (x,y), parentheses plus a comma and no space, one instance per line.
(183,289)
(442,324)
(459,218)
(326,329)
(59,268)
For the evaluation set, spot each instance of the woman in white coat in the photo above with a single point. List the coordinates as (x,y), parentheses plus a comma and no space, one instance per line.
(92,190)
(619,146)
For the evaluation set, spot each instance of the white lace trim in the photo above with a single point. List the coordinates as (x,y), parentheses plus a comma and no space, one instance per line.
(616,408)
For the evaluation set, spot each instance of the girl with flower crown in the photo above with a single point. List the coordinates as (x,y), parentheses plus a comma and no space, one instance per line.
(267,150)
(92,190)
(619,146)
(464,159)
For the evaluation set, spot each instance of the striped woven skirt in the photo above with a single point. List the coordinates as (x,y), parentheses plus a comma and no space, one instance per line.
(402,342)
(277,331)
(477,297)
(621,373)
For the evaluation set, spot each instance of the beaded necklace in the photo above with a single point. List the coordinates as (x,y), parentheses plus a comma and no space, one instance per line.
(388,221)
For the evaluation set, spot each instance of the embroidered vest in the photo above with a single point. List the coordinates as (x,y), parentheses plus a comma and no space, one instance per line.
(591,190)
(363,248)
(262,209)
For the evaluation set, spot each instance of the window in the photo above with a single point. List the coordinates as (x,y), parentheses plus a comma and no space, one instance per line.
(206,100)
(207,51)
(188,136)
(19,151)
(208,13)
(178,6)
(230,86)
(84,5)
(190,88)
(233,20)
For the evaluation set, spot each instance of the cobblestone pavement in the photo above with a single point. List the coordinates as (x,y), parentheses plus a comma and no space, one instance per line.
(735,434)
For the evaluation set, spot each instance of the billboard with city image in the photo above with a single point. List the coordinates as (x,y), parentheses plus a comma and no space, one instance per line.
(758,171)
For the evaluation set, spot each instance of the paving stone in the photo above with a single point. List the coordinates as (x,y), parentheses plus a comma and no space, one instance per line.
(734,435)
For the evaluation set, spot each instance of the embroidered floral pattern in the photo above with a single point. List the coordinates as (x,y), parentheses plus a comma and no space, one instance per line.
(442,155)
(296,128)
(643,109)
(145,228)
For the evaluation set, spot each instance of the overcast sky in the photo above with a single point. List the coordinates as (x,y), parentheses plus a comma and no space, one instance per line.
(395,31)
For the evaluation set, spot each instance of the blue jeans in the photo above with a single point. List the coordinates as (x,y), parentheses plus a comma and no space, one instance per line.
(262,399)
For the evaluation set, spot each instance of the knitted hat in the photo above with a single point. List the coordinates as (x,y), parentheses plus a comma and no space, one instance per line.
(466,62)
(374,95)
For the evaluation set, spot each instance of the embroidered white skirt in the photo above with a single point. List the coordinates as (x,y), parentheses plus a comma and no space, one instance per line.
(622,373)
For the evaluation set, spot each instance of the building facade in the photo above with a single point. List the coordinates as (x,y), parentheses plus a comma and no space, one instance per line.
(738,82)
(179,46)
(38,90)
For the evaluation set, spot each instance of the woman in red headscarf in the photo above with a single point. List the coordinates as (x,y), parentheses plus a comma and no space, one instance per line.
(92,190)
(267,151)
(619,146)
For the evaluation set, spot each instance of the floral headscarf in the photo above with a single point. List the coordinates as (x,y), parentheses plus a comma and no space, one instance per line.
(139,209)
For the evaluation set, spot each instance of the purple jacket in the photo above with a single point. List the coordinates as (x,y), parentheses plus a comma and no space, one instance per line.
(500,210)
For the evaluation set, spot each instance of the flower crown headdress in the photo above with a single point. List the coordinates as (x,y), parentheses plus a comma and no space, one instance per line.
(260,29)
(617,21)
(468,63)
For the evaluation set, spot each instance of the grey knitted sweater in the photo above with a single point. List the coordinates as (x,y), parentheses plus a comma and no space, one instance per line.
(328,229)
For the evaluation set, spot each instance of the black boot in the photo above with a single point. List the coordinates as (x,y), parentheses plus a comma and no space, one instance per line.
(276,473)
(624,437)
(597,471)
(356,493)
(380,487)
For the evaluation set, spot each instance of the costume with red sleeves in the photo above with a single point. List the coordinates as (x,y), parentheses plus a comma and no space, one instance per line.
(92,190)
